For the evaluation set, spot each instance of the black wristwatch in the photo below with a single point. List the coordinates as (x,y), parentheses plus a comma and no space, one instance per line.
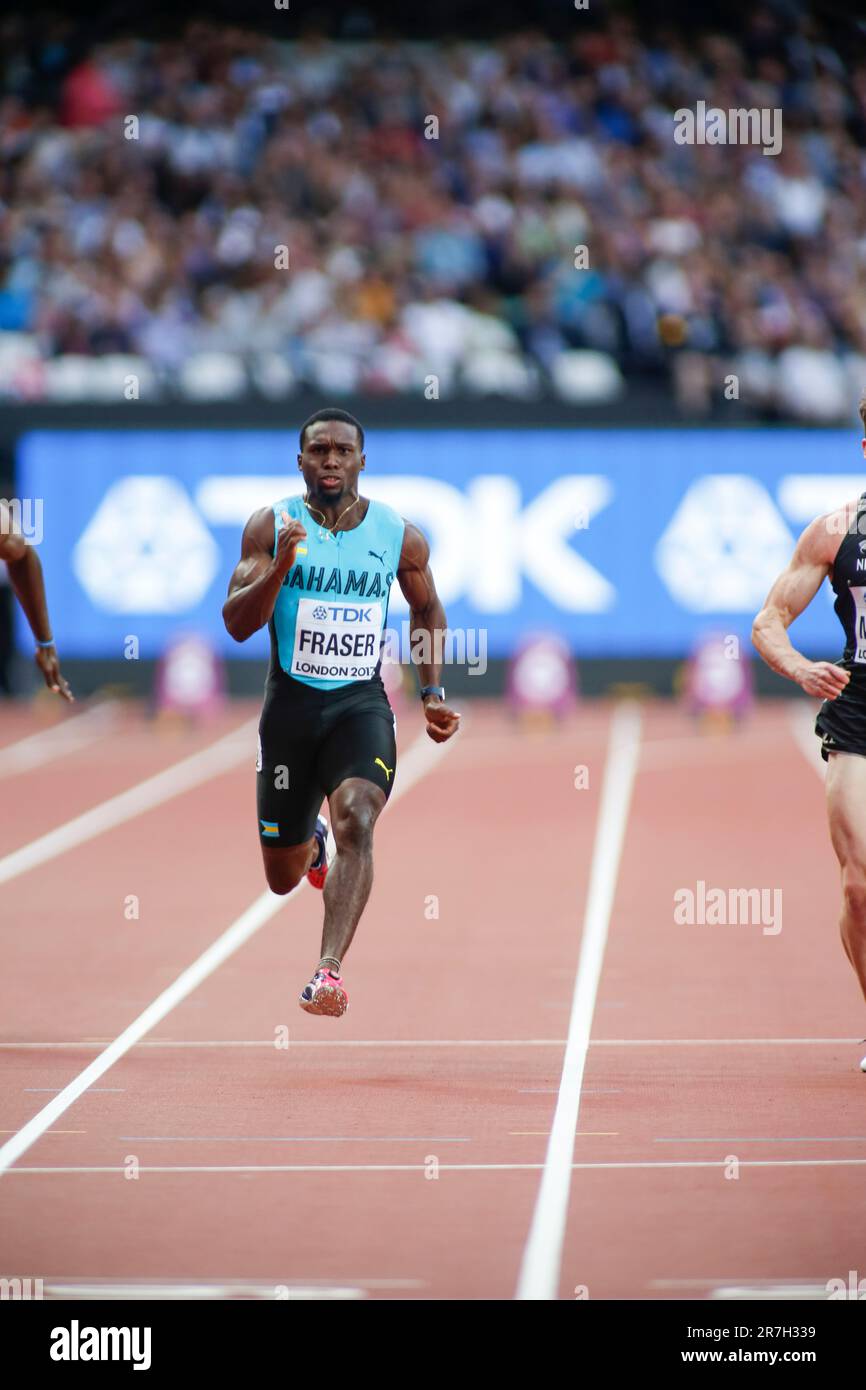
(433,690)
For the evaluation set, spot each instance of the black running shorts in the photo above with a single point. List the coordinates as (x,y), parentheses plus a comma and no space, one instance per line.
(312,740)
(841,723)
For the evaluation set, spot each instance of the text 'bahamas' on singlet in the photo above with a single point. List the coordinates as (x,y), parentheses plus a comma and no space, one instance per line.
(849,583)
(329,617)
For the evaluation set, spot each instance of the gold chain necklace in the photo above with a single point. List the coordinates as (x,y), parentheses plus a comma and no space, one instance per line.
(324,522)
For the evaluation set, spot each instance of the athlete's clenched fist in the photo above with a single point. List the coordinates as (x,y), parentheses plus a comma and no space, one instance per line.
(442,722)
(823,679)
(288,540)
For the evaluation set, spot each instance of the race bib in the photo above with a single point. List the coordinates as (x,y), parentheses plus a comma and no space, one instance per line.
(858,594)
(337,641)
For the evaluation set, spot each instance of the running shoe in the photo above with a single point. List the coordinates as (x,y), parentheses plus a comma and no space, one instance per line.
(318,872)
(325,994)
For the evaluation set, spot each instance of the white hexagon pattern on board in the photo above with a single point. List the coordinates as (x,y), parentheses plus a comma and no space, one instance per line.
(724,545)
(146,549)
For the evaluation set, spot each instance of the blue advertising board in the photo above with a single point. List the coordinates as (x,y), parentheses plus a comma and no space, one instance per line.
(628,543)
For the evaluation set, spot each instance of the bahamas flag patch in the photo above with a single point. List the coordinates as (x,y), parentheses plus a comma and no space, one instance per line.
(270,828)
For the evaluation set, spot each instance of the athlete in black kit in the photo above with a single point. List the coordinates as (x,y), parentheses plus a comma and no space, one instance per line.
(834,547)
(317,569)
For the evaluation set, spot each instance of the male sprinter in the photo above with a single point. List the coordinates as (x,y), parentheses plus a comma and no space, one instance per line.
(833,546)
(318,570)
(28,585)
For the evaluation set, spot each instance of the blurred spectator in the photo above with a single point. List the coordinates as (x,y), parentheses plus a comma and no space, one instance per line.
(450,257)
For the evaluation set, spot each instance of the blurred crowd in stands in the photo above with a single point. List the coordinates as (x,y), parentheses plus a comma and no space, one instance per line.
(228,213)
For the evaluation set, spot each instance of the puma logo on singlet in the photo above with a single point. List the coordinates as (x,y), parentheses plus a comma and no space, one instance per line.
(387,770)
(380,558)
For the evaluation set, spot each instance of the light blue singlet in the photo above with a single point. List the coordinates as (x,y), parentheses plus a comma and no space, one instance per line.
(330,614)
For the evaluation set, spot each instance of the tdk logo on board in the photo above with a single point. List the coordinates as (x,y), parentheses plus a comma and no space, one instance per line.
(149,547)
(77,1343)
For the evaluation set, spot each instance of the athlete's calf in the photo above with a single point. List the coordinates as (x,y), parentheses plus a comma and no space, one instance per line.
(846,796)
(355,807)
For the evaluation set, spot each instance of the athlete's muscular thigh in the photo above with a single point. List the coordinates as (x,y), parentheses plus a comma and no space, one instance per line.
(361,745)
(288,791)
(846,809)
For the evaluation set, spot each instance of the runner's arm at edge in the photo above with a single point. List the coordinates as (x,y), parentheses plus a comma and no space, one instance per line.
(28,585)
(790,595)
(426,615)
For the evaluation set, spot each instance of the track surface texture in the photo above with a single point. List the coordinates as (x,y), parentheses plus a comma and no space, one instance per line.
(706,1135)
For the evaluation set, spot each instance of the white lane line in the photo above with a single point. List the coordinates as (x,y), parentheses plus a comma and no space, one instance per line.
(539,1270)
(750,1288)
(276,1292)
(190,772)
(801,722)
(292,1139)
(89,1045)
(769,1282)
(720,1042)
(719,1281)
(637,1165)
(781,1139)
(770,1139)
(419,759)
(75,732)
(90,1288)
(780,1293)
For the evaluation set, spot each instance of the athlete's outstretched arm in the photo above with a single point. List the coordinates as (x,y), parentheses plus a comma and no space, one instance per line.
(426,615)
(258,575)
(792,592)
(28,584)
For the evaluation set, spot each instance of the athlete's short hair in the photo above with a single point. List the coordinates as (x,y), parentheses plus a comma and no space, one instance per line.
(333,413)
(862,409)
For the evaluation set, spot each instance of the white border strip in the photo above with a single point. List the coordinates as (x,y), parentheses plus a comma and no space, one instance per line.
(418,760)
(542,1257)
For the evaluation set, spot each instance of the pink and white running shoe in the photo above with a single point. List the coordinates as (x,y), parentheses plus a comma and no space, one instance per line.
(325,994)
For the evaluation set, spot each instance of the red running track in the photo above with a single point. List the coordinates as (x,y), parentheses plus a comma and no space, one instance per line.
(418,1125)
